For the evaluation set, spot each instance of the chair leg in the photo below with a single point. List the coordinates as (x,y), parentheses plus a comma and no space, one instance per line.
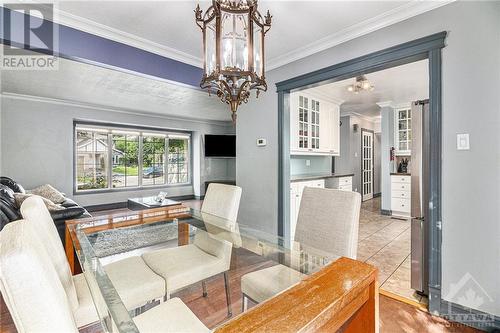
(228,294)
(244,302)
(204,286)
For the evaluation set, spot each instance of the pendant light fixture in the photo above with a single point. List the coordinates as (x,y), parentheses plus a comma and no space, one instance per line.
(233,47)
(361,84)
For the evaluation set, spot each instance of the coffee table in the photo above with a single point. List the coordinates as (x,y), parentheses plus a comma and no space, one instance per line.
(149,202)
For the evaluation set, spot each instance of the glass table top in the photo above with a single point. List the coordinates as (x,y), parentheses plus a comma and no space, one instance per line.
(100,241)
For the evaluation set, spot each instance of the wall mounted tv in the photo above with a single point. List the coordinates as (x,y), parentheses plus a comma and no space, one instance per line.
(220,145)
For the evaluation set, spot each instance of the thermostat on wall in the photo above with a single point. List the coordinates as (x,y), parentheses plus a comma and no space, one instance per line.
(261,142)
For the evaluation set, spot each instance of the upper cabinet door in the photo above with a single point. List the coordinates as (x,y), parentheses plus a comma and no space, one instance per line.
(402,130)
(314,126)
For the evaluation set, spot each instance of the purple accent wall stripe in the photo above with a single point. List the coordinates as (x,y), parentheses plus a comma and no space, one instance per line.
(88,48)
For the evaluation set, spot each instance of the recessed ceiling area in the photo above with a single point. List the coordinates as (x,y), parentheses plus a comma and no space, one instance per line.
(398,85)
(94,85)
(299,28)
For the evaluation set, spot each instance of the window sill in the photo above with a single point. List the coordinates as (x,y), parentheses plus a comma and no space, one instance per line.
(129,189)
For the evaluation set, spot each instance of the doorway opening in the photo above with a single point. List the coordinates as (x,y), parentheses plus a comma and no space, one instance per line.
(427,48)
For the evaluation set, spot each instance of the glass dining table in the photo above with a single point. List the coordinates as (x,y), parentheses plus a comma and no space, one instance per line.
(103,240)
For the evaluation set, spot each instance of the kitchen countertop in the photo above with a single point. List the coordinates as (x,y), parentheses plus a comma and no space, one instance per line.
(400,174)
(297,178)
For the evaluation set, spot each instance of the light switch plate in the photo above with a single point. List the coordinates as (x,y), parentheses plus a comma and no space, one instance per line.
(308,162)
(463,141)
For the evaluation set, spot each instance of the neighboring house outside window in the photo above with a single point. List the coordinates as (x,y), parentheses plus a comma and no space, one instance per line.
(110,158)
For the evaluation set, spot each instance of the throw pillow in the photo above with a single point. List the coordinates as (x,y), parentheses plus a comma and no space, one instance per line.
(52,207)
(48,192)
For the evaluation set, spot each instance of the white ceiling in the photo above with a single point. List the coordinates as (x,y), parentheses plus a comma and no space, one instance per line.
(97,86)
(299,28)
(398,85)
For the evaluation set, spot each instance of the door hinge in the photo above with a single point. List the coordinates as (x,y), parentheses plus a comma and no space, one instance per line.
(439,225)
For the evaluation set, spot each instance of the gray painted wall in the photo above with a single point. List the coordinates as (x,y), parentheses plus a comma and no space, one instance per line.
(387,166)
(343,163)
(355,138)
(377,150)
(471,230)
(37,147)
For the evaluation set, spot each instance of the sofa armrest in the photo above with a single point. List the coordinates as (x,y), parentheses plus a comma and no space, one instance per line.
(67,213)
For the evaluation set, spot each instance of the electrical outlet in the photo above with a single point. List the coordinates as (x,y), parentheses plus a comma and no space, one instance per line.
(308,162)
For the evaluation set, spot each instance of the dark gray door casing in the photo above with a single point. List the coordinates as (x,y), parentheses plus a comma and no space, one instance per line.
(428,47)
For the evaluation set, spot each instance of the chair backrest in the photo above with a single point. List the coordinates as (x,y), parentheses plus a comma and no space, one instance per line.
(35,212)
(329,221)
(29,283)
(222,201)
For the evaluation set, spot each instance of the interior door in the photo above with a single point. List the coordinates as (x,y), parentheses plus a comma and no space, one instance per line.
(366,164)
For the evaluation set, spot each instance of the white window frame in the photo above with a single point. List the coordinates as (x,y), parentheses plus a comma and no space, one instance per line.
(141,132)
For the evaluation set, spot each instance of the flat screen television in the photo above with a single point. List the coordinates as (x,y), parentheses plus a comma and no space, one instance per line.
(220,145)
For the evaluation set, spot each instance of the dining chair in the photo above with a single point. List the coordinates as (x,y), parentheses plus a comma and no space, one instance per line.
(328,221)
(38,301)
(207,256)
(134,281)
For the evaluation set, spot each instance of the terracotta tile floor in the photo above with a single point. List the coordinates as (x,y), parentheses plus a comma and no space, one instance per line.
(385,243)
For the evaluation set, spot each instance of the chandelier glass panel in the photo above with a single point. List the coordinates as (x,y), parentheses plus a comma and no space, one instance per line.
(233,45)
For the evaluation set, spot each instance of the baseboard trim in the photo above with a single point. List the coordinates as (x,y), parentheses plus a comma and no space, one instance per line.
(123,204)
(386,212)
(377,194)
(421,306)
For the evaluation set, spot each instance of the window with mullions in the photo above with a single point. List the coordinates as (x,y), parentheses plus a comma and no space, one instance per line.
(125,153)
(178,160)
(112,158)
(153,159)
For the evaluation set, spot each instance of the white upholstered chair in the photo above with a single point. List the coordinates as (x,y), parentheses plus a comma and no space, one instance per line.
(134,281)
(38,301)
(328,221)
(207,256)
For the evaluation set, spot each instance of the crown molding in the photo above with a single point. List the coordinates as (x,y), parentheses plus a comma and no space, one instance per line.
(374,119)
(322,96)
(383,20)
(99,107)
(101,30)
(385,104)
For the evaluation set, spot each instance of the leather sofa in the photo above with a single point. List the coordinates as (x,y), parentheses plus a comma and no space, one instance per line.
(10,212)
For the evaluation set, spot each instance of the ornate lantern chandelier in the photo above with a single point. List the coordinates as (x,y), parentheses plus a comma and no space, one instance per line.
(233,45)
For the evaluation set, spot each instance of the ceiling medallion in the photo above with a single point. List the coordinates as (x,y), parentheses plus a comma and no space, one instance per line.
(233,47)
(361,84)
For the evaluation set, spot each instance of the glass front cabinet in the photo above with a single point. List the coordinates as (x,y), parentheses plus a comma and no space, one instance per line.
(402,130)
(314,126)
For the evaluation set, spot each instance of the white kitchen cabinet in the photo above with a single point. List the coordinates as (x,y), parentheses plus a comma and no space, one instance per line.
(296,189)
(340,183)
(401,195)
(402,130)
(314,126)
